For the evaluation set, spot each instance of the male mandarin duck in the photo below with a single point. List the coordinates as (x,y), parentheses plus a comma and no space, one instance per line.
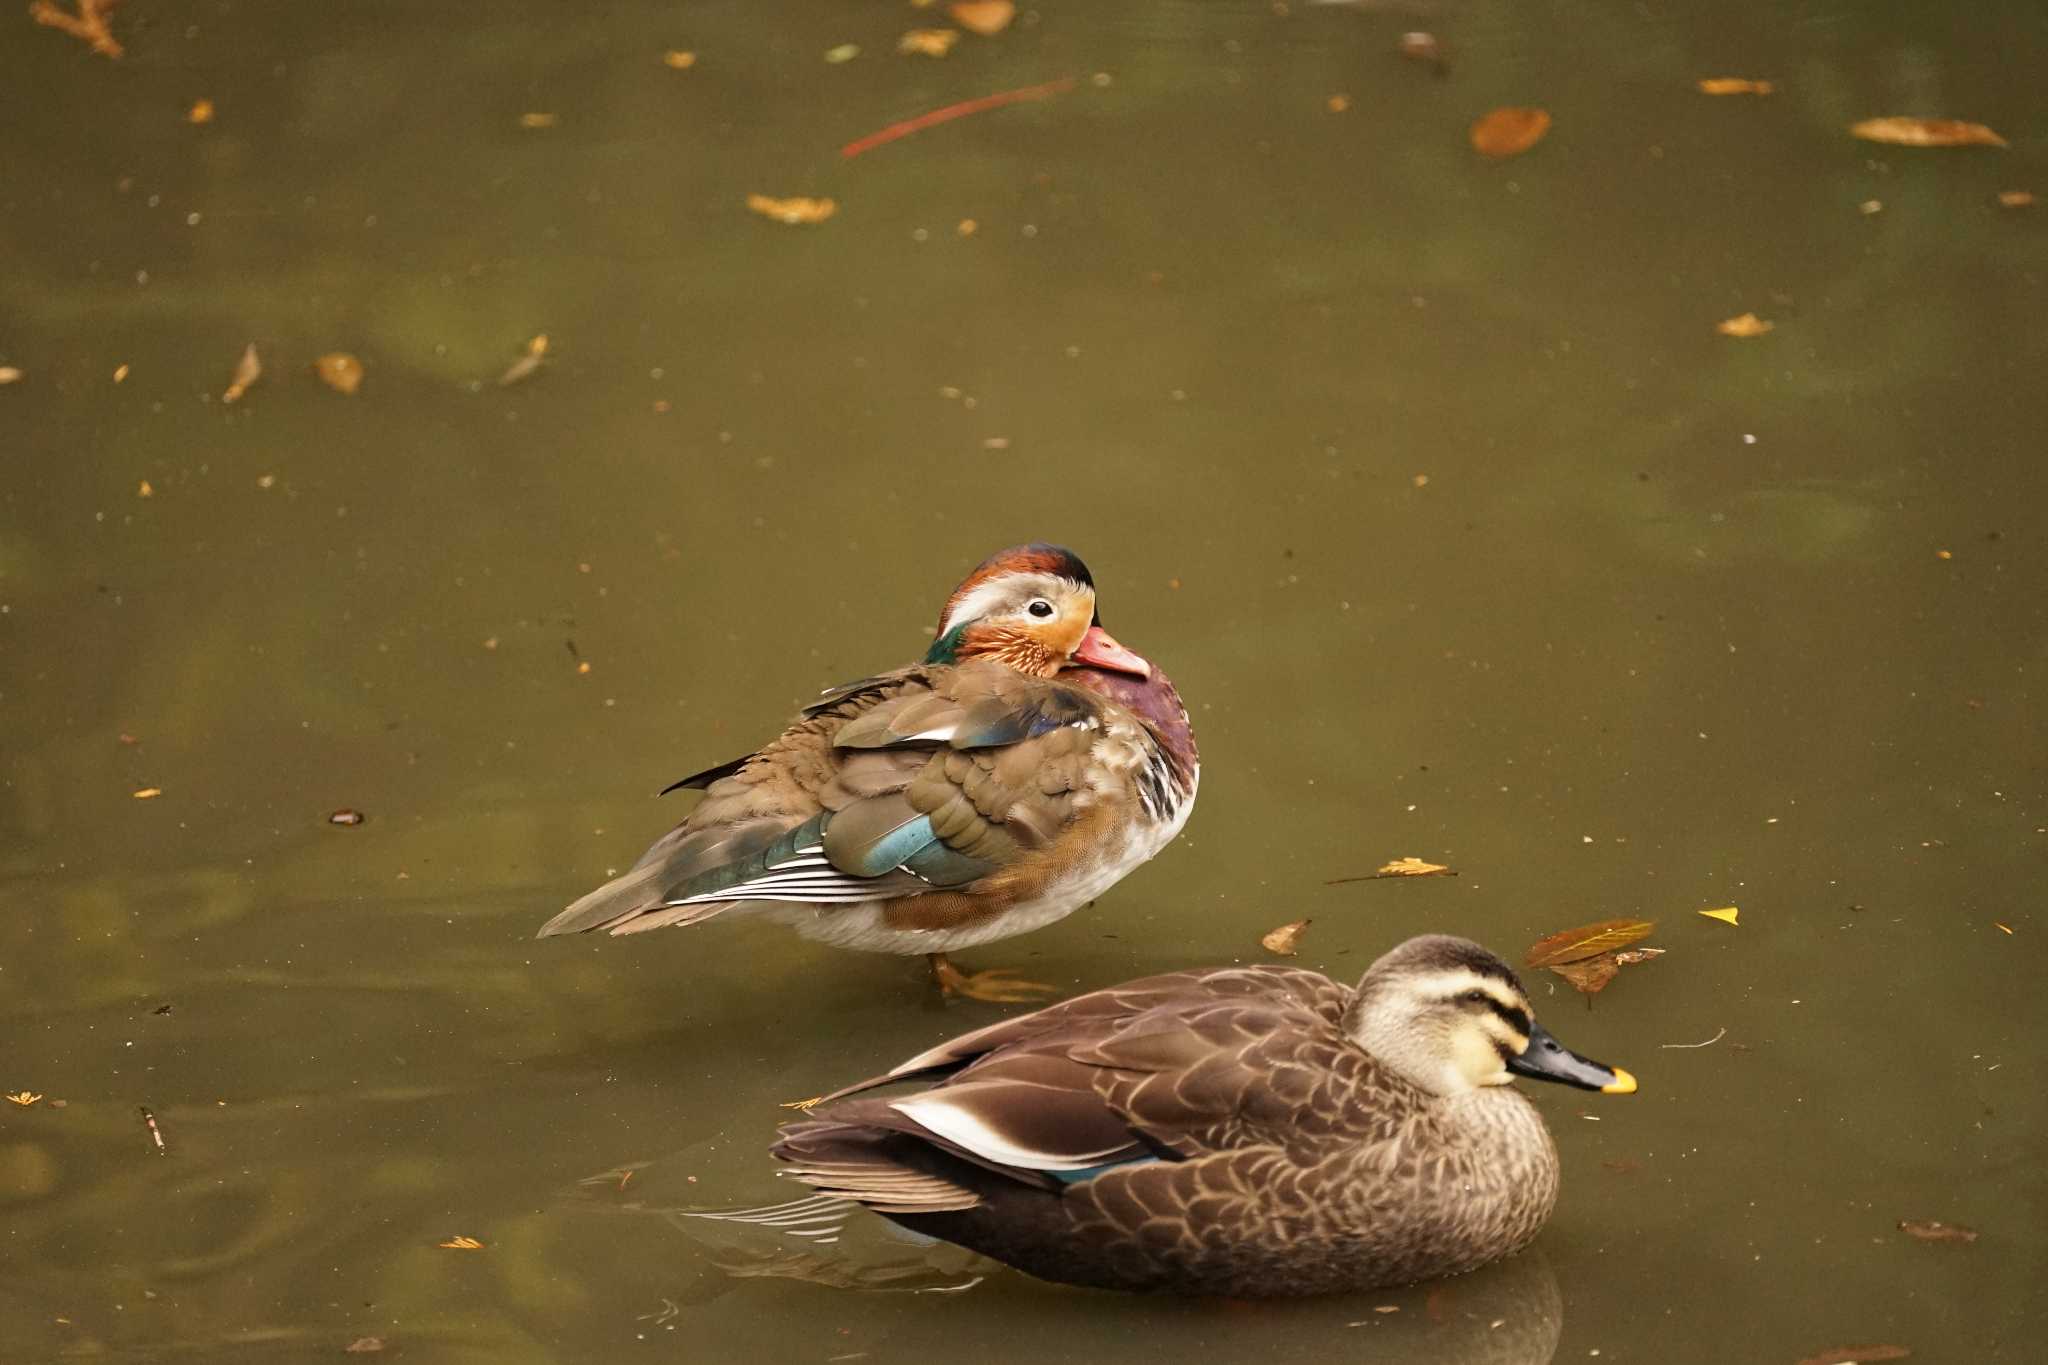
(1027,765)
(1239,1131)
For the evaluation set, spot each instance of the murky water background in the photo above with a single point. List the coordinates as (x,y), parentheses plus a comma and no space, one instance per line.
(1676,621)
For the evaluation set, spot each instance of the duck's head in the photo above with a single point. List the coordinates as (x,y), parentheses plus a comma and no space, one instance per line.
(1031,607)
(1451,1017)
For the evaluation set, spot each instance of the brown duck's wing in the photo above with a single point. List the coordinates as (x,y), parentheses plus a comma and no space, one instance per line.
(927,778)
(1172,1067)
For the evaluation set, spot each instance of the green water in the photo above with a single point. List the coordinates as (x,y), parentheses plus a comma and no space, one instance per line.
(1669,626)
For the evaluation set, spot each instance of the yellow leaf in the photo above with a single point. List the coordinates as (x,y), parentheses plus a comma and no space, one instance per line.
(678,59)
(1748,325)
(1926,132)
(463,1244)
(1726,914)
(143,490)
(1284,939)
(9,375)
(200,112)
(148,793)
(23,1098)
(2015,199)
(537,120)
(931,42)
(1509,132)
(1734,85)
(1588,940)
(794,211)
(1413,867)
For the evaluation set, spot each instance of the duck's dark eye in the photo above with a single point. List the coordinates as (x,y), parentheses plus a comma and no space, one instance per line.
(1040,608)
(1474,997)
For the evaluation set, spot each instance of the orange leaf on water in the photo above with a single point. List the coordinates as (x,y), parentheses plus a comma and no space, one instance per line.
(1588,940)
(794,211)
(1509,132)
(1926,132)
(986,17)
(1747,325)
(1734,85)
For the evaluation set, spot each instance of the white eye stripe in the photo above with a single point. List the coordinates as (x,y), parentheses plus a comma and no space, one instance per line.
(987,597)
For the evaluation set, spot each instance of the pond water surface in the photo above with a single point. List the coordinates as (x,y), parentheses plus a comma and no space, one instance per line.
(1425,475)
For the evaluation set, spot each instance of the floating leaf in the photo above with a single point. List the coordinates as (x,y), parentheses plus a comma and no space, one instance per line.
(538,120)
(678,60)
(147,793)
(1424,47)
(363,1345)
(1284,939)
(793,211)
(1337,104)
(339,371)
(1734,85)
(1725,914)
(145,490)
(9,375)
(845,52)
(459,1243)
(524,367)
(1747,325)
(1630,956)
(1414,867)
(89,25)
(2016,199)
(1926,132)
(929,42)
(1589,976)
(1509,132)
(1588,940)
(1934,1230)
(1855,1355)
(200,112)
(986,17)
(24,1098)
(248,370)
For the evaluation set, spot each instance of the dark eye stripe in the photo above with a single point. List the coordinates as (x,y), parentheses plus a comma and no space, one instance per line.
(1516,1019)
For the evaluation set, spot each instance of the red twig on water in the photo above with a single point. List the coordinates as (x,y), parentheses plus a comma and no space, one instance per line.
(953,111)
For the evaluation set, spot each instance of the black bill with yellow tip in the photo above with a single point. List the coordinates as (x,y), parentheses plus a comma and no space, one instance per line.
(1546,1059)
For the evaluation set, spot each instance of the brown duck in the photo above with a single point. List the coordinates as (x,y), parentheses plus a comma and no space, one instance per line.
(1027,765)
(1241,1131)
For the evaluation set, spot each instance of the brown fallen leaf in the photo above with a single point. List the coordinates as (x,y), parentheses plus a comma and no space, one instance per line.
(986,17)
(1855,1355)
(1934,1230)
(1509,132)
(247,371)
(1589,976)
(928,42)
(1734,85)
(1284,939)
(339,371)
(200,112)
(1926,132)
(1747,325)
(1630,956)
(1587,940)
(526,365)
(89,25)
(2016,199)
(792,211)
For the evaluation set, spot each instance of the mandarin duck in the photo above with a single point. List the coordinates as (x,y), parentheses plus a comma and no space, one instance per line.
(1240,1131)
(1027,765)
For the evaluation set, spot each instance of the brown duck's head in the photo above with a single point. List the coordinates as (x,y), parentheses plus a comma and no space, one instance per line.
(1031,607)
(1452,1017)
